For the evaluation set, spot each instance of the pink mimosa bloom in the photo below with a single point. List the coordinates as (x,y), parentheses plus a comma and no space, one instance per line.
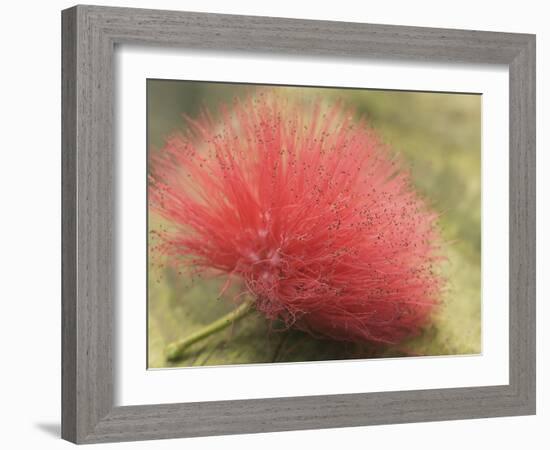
(305,205)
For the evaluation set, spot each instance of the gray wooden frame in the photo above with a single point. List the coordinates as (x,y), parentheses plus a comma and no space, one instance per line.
(89,37)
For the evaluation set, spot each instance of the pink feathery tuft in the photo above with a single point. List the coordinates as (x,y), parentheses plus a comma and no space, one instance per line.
(307,206)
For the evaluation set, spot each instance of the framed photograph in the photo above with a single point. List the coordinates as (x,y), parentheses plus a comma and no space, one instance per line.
(278,224)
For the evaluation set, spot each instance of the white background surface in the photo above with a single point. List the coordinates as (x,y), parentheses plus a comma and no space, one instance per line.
(137,386)
(30,226)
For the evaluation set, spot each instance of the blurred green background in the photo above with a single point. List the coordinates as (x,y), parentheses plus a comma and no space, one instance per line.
(438,134)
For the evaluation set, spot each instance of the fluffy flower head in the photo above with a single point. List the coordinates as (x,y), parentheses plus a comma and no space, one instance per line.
(305,205)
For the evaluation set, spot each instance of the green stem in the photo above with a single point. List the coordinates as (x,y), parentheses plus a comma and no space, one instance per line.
(175,350)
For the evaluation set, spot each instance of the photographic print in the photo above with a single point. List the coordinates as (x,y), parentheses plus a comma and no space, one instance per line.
(290,224)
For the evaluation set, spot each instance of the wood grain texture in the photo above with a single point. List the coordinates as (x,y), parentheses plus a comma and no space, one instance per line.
(68,226)
(89,216)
